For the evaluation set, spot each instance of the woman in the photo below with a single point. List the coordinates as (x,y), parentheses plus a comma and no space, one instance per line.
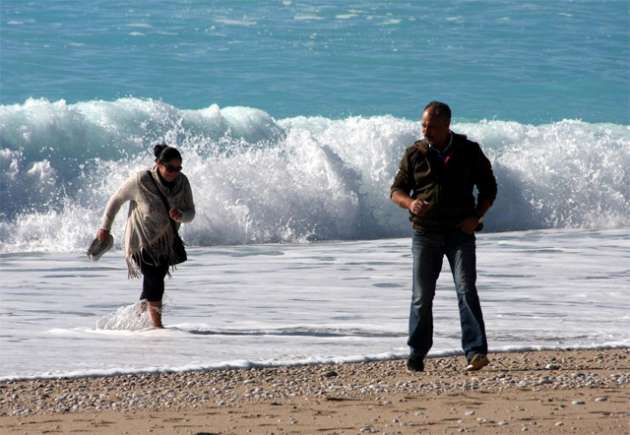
(149,234)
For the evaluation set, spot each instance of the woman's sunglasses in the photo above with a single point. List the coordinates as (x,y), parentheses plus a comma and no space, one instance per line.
(172,169)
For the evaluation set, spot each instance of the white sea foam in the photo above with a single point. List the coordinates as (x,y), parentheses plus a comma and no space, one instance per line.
(282,304)
(128,318)
(245,364)
(245,22)
(455,19)
(140,25)
(391,22)
(347,16)
(308,17)
(256,179)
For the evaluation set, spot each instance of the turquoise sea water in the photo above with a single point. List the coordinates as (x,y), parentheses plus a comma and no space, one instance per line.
(292,116)
(525,61)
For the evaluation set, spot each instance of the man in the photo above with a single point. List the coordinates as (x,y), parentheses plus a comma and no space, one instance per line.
(435,183)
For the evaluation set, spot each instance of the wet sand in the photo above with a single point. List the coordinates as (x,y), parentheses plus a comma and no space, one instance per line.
(571,391)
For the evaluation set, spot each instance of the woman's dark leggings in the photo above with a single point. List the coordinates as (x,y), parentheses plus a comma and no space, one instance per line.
(153,280)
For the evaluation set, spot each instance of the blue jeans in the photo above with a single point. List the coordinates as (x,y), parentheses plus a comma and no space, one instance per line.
(428,250)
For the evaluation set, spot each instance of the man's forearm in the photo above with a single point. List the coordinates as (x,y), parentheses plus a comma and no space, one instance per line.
(482,207)
(401,199)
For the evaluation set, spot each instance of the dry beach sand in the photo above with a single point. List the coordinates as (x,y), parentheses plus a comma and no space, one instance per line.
(569,391)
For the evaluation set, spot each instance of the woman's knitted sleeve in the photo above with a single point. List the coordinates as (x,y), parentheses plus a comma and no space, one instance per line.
(125,193)
(188,208)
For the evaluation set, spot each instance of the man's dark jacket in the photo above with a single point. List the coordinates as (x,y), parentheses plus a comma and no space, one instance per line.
(445,181)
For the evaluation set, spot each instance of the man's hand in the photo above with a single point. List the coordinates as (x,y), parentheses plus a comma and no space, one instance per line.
(175,214)
(469,225)
(418,206)
(102,234)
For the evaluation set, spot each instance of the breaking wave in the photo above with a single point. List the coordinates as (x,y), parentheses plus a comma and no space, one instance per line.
(257,179)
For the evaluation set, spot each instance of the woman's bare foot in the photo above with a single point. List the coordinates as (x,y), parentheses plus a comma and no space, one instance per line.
(155,313)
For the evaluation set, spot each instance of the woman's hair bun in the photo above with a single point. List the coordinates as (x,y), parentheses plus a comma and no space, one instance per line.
(157,149)
(166,153)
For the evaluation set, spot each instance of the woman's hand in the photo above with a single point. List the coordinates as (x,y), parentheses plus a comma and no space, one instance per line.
(175,214)
(102,234)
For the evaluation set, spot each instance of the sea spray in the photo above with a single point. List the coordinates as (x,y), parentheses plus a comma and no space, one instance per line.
(132,317)
(258,180)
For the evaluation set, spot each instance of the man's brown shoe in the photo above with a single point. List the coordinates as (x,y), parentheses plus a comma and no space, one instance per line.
(477,362)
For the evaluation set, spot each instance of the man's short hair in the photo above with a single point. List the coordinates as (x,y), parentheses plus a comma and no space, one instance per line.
(439,109)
